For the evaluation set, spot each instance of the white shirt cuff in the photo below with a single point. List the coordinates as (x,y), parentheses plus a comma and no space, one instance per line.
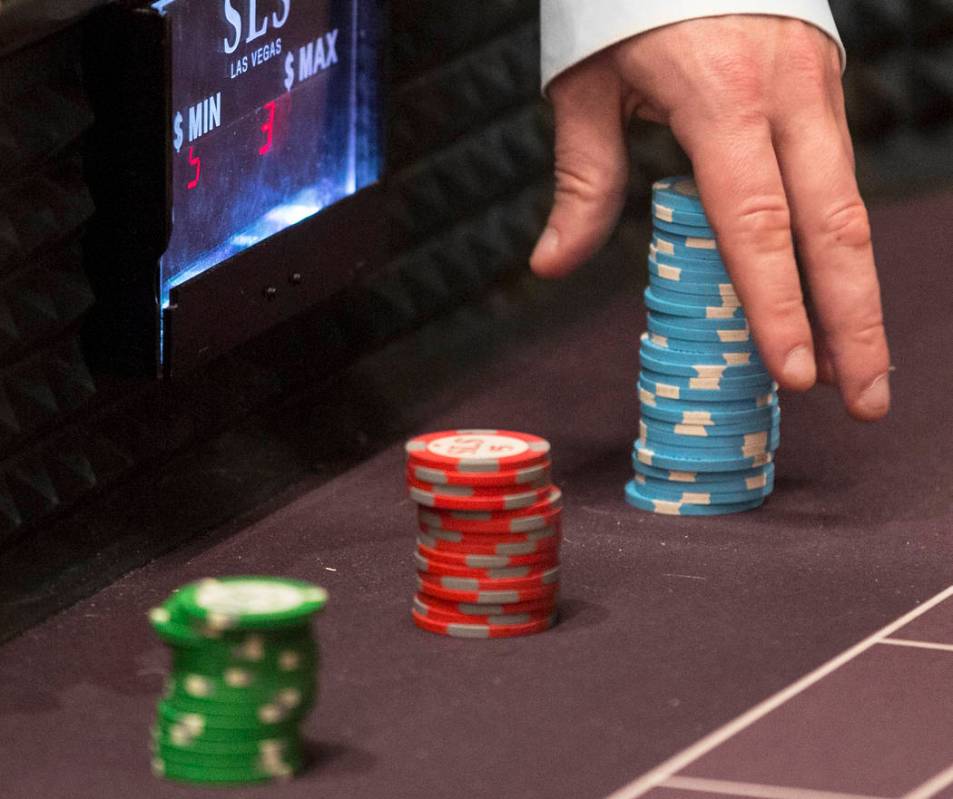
(573,30)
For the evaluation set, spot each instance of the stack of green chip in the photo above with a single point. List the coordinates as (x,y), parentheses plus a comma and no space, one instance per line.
(244,675)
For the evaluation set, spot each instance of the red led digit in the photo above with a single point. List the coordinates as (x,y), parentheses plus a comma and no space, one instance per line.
(195,161)
(268,128)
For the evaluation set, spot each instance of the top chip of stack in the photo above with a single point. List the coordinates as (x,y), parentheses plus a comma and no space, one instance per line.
(243,677)
(710,416)
(489,531)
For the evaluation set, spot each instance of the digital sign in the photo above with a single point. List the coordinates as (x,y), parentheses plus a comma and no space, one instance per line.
(274,117)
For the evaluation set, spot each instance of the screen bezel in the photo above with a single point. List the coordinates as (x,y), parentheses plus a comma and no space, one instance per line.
(128,65)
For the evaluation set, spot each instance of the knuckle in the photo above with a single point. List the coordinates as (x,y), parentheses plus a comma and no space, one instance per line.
(865,332)
(787,308)
(807,59)
(582,178)
(860,332)
(728,80)
(763,223)
(847,225)
(738,77)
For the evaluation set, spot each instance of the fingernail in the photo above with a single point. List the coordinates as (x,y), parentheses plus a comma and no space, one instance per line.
(799,368)
(875,401)
(548,243)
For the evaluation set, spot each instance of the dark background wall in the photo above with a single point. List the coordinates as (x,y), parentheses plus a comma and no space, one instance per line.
(99,474)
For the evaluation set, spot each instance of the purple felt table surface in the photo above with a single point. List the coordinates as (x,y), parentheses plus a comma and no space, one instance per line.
(670,626)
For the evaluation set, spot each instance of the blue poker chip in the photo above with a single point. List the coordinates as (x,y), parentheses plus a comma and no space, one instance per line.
(696,269)
(759,420)
(716,383)
(688,230)
(703,348)
(678,193)
(665,386)
(682,219)
(712,298)
(715,334)
(711,288)
(678,246)
(744,477)
(712,357)
(763,440)
(698,323)
(664,269)
(701,449)
(701,493)
(719,410)
(662,305)
(662,212)
(684,462)
(636,496)
(759,479)
(701,416)
(674,368)
(705,389)
(699,267)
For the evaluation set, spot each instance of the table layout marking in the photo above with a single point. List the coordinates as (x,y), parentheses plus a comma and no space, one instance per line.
(932,786)
(754,790)
(917,644)
(665,771)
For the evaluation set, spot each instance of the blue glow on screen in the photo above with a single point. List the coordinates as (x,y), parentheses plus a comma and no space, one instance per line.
(274,118)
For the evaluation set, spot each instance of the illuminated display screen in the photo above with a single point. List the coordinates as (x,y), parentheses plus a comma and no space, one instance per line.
(274,117)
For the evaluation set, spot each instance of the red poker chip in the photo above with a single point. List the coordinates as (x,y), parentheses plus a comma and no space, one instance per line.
(542,486)
(533,517)
(477,450)
(484,502)
(443,569)
(469,609)
(469,630)
(534,579)
(495,619)
(457,541)
(514,525)
(549,557)
(552,499)
(432,586)
(488,544)
(451,477)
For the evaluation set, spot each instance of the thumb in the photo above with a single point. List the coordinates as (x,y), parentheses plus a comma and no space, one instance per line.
(591,168)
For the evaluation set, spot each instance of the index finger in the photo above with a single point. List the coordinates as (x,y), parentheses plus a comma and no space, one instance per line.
(740,184)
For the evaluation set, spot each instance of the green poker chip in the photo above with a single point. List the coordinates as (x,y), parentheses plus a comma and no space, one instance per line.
(180,737)
(286,755)
(244,675)
(275,707)
(204,727)
(238,685)
(251,603)
(254,660)
(173,770)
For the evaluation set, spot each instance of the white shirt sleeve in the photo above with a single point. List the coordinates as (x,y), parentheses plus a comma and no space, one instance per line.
(573,30)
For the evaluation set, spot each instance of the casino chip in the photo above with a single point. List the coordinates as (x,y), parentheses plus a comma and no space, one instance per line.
(487,552)
(710,421)
(244,664)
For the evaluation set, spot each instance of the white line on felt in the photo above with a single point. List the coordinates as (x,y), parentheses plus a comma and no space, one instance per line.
(917,644)
(673,765)
(753,789)
(932,786)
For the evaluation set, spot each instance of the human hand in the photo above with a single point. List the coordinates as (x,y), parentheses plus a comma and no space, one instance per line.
(757,104)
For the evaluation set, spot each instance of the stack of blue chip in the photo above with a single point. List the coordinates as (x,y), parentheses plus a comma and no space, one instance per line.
(710,417)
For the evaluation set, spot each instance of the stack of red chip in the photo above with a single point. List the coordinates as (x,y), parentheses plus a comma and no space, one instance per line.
(488,547)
